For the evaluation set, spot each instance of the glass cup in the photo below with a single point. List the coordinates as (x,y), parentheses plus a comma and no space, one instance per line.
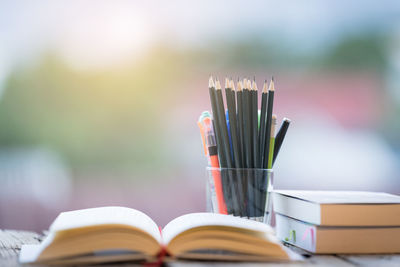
(240,192)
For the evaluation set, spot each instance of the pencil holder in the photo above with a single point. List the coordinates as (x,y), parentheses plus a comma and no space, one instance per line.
(240,192)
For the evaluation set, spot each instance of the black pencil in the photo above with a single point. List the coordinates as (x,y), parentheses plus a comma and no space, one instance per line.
(225,142)
(254,110)
(241,134)
(239,101)
(216,123)
(222,124)
(234,104)
(246,125)
(280,136)
(237,175)
(254,149)
(230,101)
(233,93)
(271,91)
(247,148)
(251,121)
(262,130)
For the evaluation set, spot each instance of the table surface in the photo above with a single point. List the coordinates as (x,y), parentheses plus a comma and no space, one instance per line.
(12,240)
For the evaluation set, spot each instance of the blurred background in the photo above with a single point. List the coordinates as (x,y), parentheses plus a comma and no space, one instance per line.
(99,100)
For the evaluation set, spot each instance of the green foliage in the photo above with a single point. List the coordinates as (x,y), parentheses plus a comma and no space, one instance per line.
(92,118)
(359,52)
(112,117)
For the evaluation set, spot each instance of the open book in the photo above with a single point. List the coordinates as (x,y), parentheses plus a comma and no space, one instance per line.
(121,234)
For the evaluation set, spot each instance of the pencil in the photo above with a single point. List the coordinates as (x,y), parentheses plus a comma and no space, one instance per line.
(271,91)
(222,124)
(272,141)
(241,140)
(230,101)
(254,109)
(237,175)
(234,103)
(254,144)
(262,130)
(251,122)
(239,100)
(216,123)
(232,86)
(225,143)
(246,125)
(265,177)
(247,148)
(280,136)
(228,127)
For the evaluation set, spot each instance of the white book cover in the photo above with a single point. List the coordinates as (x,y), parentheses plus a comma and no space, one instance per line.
(339,208)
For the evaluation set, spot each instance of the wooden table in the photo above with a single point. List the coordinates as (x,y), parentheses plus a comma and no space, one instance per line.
(12,240)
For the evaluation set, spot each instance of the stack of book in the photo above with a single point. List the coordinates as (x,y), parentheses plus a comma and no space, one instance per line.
(330,222)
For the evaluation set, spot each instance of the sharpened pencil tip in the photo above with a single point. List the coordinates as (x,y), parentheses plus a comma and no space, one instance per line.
(217,85)
(211,82)
(272,85)
(265,86)
(226,83)
(249,84)
(254,85)
(239,86)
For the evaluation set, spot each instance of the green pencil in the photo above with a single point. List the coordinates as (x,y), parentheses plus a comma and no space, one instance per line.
(271,151)
(262,130)
(271,91)
(272,142)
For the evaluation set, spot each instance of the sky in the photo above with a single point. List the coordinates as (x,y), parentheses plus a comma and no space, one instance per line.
(184,21)
(99,34)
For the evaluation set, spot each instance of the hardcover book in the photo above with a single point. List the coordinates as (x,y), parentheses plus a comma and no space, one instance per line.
(339,208)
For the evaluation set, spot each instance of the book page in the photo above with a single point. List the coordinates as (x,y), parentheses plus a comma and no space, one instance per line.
(193,220)
(342,197)
(103,216)
(30,253)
